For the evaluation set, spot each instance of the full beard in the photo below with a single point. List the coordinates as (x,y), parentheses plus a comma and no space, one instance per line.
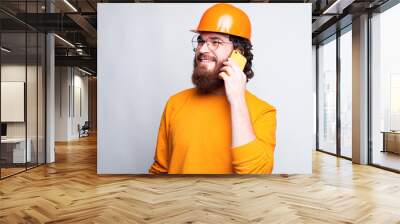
(205,80)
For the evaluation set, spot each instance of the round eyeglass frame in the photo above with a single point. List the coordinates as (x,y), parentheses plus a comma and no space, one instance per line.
(196,44)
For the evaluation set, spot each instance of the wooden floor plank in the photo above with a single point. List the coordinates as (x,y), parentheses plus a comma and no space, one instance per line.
(70,191)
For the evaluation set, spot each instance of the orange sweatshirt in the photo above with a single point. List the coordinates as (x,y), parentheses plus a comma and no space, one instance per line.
(194,137)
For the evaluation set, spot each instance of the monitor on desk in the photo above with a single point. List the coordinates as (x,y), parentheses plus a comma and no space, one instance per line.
(3,130)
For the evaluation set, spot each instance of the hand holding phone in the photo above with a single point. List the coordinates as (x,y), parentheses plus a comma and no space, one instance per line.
(238,58)
(234,80)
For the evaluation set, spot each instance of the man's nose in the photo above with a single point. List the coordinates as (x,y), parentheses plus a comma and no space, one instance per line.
(204,48)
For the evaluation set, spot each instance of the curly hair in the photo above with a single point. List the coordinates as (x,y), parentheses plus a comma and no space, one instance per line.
(245,47)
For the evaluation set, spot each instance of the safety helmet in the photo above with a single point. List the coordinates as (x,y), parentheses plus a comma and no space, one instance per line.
(227,19)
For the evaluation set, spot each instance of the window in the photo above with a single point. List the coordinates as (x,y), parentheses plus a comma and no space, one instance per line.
(385,89)
(327,96)
(346,94)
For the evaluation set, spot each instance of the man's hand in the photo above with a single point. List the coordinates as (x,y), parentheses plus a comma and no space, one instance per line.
(235,81)
(235,88)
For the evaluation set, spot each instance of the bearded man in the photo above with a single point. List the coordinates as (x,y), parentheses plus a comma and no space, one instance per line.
(217,127)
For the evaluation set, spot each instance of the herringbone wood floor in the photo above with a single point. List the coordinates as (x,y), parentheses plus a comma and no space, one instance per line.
(70,191)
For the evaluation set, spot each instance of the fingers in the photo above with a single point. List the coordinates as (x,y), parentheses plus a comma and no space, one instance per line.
(227,69)
(223,75)
(233,72)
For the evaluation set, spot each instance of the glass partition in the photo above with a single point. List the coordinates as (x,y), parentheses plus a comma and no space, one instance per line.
(13,104)
(327,96)
(22,101)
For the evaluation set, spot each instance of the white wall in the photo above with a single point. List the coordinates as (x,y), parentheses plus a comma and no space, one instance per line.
(68,81)
(145,56)
(61,103)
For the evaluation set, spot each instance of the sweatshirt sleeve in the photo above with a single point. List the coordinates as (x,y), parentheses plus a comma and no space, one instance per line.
(257,156)
(160,164)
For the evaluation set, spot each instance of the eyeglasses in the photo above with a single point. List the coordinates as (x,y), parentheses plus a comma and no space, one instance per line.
(212,43)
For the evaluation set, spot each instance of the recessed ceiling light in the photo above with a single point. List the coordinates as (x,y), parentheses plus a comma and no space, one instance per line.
(86,72)
(64,40)
(5,50)
(70,5)
(337,7)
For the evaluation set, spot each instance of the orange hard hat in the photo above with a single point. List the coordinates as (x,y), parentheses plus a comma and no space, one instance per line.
(225,18)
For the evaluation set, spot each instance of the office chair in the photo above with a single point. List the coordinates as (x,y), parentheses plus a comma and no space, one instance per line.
(84,130)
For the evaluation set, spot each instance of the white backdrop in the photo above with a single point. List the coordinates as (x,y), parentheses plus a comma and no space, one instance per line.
(145,56)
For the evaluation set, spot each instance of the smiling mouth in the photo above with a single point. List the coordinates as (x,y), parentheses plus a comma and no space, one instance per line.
(206,62)
(205,59)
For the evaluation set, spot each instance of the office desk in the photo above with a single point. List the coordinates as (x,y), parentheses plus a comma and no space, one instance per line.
(391,141)
(15,148)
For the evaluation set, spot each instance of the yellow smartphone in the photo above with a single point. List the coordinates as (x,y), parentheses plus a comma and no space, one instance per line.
(238,58)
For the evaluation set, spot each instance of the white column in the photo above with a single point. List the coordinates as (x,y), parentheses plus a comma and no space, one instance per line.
(50,92)
(360,90)
(50,110)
